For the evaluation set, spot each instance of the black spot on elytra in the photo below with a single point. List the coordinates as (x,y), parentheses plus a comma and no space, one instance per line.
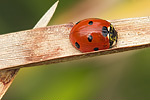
(111,43)
(77,45)
(96,49)
(104,31)
(90,38)
(90,23)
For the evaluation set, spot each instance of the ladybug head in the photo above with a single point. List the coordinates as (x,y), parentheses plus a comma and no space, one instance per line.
(113,36)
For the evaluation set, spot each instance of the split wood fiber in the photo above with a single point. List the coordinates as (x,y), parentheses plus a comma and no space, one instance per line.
(7,76)
(52,45)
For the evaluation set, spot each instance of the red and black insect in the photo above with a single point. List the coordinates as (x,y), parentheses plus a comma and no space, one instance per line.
(93,34)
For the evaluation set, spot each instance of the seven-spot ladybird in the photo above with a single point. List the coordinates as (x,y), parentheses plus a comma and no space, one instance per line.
(93,34)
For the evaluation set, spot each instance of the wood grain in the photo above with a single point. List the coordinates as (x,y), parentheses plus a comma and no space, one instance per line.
(51,45)
(7,76)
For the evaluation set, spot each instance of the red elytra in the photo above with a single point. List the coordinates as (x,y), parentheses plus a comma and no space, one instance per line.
(93,34)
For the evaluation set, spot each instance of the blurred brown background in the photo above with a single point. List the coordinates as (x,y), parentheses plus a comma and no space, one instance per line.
(121,76)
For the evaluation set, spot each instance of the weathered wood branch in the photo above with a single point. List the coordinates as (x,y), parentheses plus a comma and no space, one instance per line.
(7,76)
(51,44)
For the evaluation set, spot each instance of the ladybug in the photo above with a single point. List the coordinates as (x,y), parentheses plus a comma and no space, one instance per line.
(92,35)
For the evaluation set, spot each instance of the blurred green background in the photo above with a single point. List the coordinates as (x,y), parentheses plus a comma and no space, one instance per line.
(121,76)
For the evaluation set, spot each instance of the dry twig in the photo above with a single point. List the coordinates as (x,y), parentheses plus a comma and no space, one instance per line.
(7,76)
(51,45)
